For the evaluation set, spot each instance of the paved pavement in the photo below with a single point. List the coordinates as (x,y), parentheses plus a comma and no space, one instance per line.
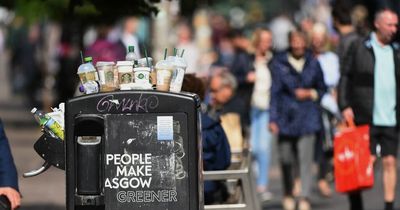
(47,191)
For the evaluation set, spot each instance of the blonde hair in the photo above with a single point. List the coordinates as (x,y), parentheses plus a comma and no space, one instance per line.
(257,36)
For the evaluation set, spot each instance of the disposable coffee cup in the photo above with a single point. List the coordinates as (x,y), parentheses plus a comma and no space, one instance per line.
(106,76)
(142,75)
(178,73)
(164,73)
(125,72)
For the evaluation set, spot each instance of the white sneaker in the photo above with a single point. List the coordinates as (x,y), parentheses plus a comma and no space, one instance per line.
(266,196)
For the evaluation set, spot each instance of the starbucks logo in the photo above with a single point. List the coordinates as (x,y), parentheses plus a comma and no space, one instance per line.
(140,76)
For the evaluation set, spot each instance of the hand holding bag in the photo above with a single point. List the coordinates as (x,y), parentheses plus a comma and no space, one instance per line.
(352,159)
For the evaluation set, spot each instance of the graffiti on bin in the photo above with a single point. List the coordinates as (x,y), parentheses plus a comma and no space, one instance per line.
(143,103)
(142,168)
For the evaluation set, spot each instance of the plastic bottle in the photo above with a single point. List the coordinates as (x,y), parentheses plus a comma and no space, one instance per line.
(131,55)
(49,124)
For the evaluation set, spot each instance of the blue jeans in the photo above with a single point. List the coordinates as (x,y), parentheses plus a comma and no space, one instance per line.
(260,140)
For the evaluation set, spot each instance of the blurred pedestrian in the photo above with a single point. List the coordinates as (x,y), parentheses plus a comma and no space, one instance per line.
(185,42)
(330,67)
(128,36)
(241,67)
(369,93)
(8,172)
(297,88)
(216,150)
(342,23)
(104,50)
(280,27)
(25,71)
(260,137)
(223,97)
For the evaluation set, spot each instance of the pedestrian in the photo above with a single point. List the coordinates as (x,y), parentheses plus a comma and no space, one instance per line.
(260,137)
(342,24)
(8,172)
(330,67)
(233,55)
(186,42)
(104,50)
(129,34)
(297,87)
(216,149)
(369,93)
(223,97)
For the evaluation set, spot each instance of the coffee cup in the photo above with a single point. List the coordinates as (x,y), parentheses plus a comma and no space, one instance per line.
(125,72)
(106,76)
(164,73)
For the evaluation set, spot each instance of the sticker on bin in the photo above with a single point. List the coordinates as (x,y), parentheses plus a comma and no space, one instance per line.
(165,129)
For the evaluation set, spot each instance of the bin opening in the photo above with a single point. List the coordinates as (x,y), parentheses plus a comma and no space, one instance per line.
(89,125)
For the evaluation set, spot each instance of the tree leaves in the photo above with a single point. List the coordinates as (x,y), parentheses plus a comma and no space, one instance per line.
(101,11)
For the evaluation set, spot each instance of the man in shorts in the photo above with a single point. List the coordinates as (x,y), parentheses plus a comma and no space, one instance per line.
(369,93)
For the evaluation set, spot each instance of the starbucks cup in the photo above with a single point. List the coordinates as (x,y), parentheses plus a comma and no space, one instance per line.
(106,76)
(164,70)
(125,73)
(142,75)
(178,73)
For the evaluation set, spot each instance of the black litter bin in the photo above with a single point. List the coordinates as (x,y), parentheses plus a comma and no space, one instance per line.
(133,150)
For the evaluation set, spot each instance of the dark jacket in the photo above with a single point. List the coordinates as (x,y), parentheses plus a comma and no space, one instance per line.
(356,86)
(240,65)
(216,149)
(293,117)
(8,172)
(344,45)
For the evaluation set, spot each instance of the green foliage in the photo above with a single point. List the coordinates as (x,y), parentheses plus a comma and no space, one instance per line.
(34,10)
(80,10)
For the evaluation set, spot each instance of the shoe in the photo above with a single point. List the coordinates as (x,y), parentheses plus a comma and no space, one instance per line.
(266,196)
(324,188)
(288,203)
(304,205)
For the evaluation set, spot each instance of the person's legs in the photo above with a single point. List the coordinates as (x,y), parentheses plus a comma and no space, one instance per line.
(258,148)
(389,177)
(306,154)
(323,164)
(286,158)
(265,146)
(389,145)
(355,199)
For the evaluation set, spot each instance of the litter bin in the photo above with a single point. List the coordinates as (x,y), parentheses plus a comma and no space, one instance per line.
(133,150)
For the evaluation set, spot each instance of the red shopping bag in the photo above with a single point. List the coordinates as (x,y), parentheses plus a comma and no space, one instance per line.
(352,159)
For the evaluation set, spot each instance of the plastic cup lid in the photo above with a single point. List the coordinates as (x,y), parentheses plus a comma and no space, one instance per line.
(104,63)
(124,63)
(143,61)
(142,69)
(177,61)
(164,64)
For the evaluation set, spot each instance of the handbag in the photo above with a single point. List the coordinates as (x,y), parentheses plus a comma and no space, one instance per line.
(352,159)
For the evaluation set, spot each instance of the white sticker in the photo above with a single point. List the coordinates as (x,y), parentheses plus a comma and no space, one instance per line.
(165,130)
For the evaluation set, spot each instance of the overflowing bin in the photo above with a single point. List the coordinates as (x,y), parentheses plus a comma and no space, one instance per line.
(133,150)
